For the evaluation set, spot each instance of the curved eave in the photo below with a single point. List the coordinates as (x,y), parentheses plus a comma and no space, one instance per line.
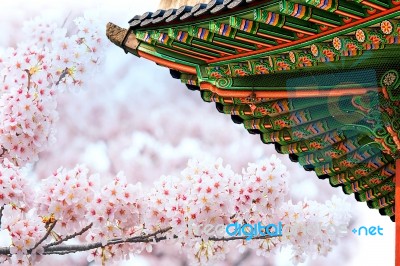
(254,73)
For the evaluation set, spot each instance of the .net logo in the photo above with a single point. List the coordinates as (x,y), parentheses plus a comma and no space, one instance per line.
(368,231)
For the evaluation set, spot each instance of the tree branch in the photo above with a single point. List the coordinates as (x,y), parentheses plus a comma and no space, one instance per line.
(54,248)
(69,236)
(51,227)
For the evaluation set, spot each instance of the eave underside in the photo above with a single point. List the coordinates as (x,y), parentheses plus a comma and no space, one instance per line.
(318,79)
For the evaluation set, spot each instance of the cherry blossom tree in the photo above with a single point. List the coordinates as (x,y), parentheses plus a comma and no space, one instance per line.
(47,209)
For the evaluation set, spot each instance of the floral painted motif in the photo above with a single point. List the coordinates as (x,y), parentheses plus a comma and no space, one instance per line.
(299,134)
(260,111)
(261,69)
(352,46)
(283,122)
(389,79)
(329,54)
(241,69)
(375,39)
(375,180)
(347,163)
(334,153)
(362,171)
(387,188)
(261,66)
(305,60)
(337,43)
(386,27)
(292,57)
(315,144)
(281,64)
(360,35)
(314,50)
(218,72)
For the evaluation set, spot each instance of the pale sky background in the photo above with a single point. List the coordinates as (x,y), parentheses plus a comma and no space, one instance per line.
(372,250)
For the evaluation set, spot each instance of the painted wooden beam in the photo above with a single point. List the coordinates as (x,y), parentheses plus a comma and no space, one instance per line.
(127,41)
(307,93)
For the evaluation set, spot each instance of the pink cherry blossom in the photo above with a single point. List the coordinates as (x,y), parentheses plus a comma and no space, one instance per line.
(37,78)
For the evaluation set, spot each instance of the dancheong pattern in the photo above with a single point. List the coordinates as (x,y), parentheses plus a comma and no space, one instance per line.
(319,79)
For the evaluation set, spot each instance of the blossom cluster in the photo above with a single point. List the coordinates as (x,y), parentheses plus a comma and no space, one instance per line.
(307,233)
(31,75)
(14,188)
(127,218)
(115,212)
(65,196)
(26,230)
(206,193)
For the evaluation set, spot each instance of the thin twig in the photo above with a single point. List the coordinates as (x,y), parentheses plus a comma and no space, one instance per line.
(29,78)
(69,236)
(3,150)
(66,19)
(1,213)
(62,75)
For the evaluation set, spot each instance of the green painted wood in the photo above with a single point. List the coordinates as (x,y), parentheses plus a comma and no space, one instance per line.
(351,8)
(168,55)
(308,43)
(277,32)
(383,3)
(199,50)
(347,140)
(256,38)
(327,17)
(213,46)
(330,140)
(234,42)
(301,24)
(329,153)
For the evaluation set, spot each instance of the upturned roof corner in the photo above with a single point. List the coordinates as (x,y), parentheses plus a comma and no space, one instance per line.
(122,37)
(319,79)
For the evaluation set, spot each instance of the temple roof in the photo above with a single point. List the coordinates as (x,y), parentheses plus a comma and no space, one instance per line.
(187,14)
(316,78)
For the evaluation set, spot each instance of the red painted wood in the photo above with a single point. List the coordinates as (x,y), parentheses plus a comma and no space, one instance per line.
(308,38)
(169,64)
